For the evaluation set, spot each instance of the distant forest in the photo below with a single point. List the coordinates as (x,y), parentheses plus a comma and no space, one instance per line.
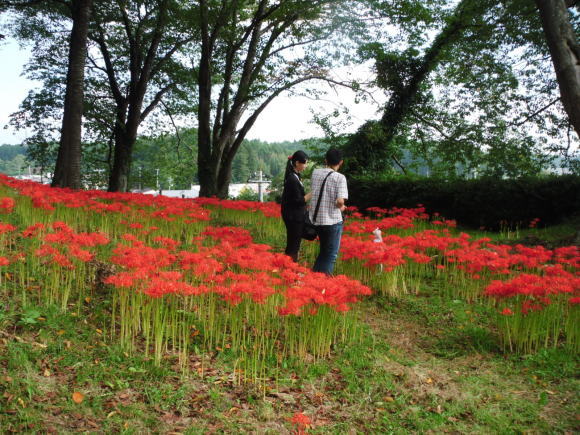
(13,160)
(166,162)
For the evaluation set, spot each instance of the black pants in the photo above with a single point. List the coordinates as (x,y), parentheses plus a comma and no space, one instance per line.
(293,238)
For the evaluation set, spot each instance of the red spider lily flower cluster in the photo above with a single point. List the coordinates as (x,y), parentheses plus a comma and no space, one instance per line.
(6,228)
(64,244)
(301,421)
(537,290)
(7,204)
(233,268)
(268,209)
(534,223)
(471,256)
(160,207)
(543,273)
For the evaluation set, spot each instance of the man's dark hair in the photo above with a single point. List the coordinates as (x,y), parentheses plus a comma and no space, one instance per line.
(333,157)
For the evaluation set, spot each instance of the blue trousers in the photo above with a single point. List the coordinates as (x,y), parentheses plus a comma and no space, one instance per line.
(329,236)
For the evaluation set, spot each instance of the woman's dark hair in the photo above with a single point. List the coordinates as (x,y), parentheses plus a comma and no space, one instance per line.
(298,156)
(333,157)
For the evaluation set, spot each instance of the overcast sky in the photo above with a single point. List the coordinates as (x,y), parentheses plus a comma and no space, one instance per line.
(286,118)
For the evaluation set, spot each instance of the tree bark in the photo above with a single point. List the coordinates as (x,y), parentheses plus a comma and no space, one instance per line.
(207,167)
(122,156)
(565,53)
(67,172)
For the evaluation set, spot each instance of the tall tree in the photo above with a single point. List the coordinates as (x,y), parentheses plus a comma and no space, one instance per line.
(251,52)
(131,68)
(67,172)
(459,100)
(67,169)
(403,74)
(565,53)
(137,41)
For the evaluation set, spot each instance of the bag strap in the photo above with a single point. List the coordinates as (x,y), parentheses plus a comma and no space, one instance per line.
(320,197)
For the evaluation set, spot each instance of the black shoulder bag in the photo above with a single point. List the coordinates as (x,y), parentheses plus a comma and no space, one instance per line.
(309,229)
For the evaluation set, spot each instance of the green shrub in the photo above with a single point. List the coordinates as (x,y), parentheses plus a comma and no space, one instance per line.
(484,202)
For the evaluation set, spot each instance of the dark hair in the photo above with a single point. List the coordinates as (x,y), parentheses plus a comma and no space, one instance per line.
(298,156)
(333,157)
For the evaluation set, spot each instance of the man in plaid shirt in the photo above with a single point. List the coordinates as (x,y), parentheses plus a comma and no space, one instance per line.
(328,220)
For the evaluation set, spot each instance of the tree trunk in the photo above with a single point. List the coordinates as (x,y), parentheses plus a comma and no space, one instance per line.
(206,165)
(67,172)
(565,53)
(224,178)
(124,142)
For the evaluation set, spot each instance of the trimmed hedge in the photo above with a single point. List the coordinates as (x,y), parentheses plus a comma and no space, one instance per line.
(485,202)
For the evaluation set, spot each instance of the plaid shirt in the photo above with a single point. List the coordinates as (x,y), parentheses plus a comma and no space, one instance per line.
(335,187)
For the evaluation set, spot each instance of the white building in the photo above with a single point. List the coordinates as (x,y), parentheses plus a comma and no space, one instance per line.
(234,191)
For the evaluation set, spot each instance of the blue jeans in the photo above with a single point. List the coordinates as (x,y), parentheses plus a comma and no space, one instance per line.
(329,236)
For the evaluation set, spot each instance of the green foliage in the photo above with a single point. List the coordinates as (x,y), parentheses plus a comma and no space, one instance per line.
(248,195)
(13,166)
(175,156)
(471,90)
(486,202)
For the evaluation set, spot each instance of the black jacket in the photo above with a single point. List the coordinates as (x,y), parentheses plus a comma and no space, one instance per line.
(293,204)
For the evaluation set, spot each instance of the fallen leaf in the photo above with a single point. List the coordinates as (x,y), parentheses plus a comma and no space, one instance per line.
(93,424)
(46,373)
(285,397)
(78,397)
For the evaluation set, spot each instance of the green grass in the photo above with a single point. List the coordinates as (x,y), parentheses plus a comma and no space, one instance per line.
(422,363)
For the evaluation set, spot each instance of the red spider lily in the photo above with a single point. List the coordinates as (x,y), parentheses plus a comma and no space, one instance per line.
(507,312)
(80,254)
(200,263)
(6,228)
(33,230)
(233,235)
(135,257)
(301,421)
(319,289)
(133,240)
(534,222)
(7,204)
(122,279)
(268,209)
(167,242)
(555,281)
(569,255)
(4,261)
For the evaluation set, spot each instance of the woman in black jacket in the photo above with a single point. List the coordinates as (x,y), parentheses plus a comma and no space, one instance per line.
(294,202)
